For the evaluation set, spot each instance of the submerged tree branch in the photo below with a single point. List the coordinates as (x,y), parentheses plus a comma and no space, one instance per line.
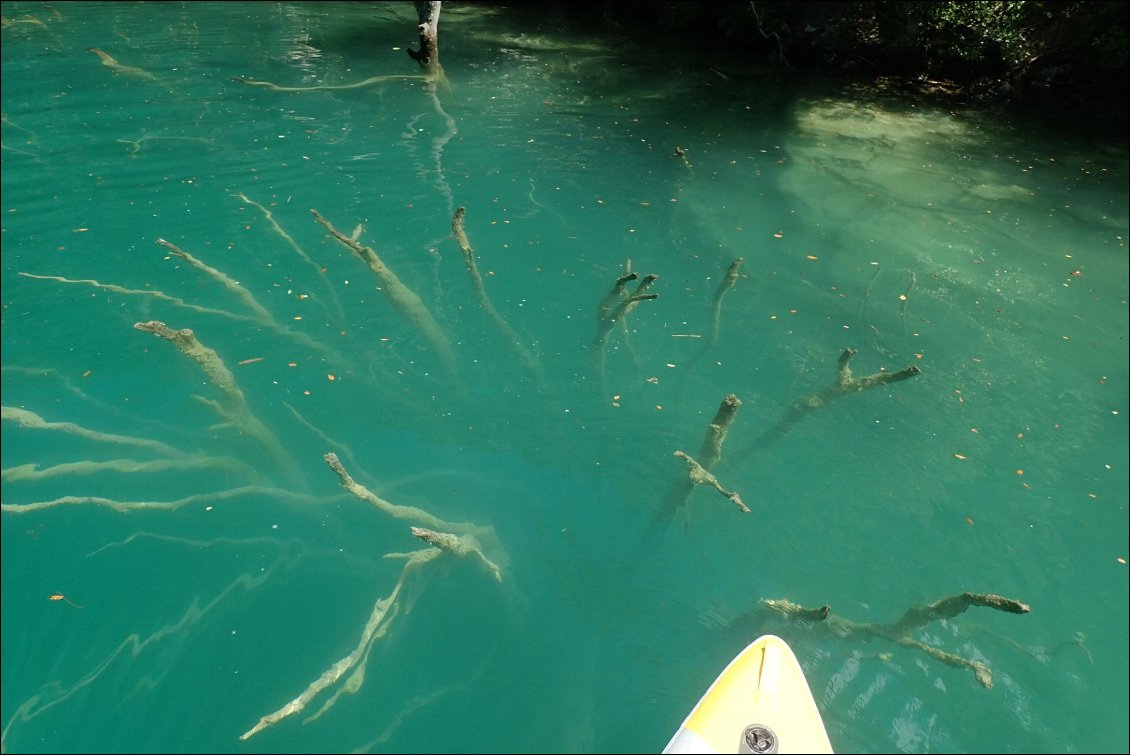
(845,384)
(233,405)
(528,360)
(402,298)
(614,309)
(915,618)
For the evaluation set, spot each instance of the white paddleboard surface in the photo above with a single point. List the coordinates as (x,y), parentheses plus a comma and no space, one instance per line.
(764,686)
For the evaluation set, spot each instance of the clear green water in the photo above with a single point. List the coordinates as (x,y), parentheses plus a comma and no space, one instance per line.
(181,628)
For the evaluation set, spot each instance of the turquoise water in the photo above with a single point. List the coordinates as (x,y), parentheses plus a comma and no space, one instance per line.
(991,257)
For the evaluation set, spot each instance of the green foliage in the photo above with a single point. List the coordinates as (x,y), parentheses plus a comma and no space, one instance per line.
(979,31)
(980,35)
(1012,34)
(1062,54)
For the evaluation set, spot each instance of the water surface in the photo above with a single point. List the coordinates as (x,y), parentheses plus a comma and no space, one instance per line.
(990,256)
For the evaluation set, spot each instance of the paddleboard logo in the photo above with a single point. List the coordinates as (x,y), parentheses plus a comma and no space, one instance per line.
(759,739)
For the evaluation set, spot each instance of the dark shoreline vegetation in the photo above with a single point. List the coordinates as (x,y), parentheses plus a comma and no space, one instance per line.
(1059,65)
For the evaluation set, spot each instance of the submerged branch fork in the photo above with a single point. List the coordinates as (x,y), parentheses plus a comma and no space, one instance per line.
(709,454)
(463,547)
(700,476)
(915,617)
(638,295)
(615,308)
(846,383)
(613,296)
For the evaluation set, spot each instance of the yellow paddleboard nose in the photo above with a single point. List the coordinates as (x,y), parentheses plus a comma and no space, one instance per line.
(760,703)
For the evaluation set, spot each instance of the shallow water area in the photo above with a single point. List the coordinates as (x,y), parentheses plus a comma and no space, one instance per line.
(180,561)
